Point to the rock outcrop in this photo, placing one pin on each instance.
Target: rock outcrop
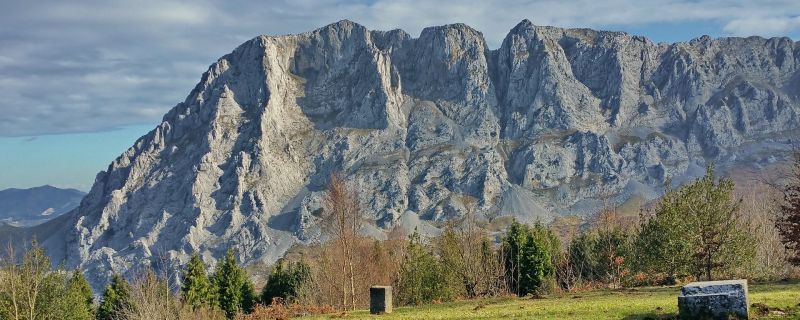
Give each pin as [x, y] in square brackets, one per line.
[427, 129]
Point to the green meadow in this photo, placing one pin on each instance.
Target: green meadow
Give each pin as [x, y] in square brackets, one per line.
[635, 303]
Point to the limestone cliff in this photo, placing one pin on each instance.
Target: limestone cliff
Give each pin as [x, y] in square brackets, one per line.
[427, 128]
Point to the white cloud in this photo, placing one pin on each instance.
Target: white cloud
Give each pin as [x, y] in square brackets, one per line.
[130, 61]
[765, 26]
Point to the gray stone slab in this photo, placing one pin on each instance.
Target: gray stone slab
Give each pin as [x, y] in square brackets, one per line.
[714, 299]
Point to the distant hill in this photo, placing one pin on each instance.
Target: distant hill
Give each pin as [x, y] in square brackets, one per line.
[27, 207]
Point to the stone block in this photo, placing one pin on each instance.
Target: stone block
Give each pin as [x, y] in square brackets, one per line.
[380, 299]
[714, 299]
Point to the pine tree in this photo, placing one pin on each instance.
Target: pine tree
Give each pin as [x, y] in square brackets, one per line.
[249, 296]
[196, 288]
[235, 293]
[419, 280]
[535, 266]
[527, 255]
[285, 281]
[79, 291]
[115, 299]
[513, 241]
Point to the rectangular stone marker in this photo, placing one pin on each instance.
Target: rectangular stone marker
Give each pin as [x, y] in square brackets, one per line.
[716, 299]
[380, 299]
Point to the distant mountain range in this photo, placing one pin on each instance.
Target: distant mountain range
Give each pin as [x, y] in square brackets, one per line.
[28, 207]
[553, 122]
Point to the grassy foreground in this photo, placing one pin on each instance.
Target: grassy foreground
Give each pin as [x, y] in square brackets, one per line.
[636, 303]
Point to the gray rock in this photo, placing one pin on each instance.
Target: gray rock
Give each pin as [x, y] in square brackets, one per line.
[714, 299]
[436, 126]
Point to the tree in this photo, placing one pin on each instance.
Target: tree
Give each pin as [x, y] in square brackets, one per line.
[81, 293]
[458, 261]
[150, 297]
[535, 266]
[419, 280]
[196, 288]
[696, 228]
[32, 289]
[513, 241]
[115, 299]
[285, 281]
[235, 293]
[343, 221]
[788, 222]
[527, 257]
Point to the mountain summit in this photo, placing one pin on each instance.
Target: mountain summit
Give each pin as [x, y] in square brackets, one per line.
[555, 121]
[26, 207]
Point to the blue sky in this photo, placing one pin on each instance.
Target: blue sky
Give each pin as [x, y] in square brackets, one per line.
[81, 80]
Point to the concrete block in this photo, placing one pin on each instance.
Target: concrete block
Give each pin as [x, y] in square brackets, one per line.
[714, 299]
[380, 299]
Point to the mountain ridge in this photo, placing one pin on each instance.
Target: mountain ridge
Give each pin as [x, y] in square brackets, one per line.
[428, 129]
[26, 207]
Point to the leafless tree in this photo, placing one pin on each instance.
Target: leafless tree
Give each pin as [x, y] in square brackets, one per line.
[343, 220]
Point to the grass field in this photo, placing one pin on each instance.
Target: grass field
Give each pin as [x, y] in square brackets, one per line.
[636, 303]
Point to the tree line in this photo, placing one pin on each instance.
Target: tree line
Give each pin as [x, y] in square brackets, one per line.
[701, 230]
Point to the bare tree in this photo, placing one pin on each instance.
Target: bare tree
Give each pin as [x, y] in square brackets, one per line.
[788, 222]
[343, 220]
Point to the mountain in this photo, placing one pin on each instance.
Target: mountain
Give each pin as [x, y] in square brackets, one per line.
[554, 121]
[26, 207]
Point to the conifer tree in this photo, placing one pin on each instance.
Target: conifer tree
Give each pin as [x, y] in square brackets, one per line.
[420, 278]
[115, 299]
[196, 288]
[527, 256]
[81, 293]
[535, 266]
[285, 281]
[235, 293]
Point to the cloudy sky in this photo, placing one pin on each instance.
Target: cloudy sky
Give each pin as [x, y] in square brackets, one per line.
[81, 80]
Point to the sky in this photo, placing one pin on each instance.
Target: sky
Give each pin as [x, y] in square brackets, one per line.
[80, 81]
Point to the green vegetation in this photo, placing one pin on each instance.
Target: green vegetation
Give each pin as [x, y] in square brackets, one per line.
[527, 258]
[696, 229]
[32, 289]
[599, 255]
[235, 291]
[196, 288]
[81, 293]
[286, 281]
[420, 279]
[636, 303]
[115, 299]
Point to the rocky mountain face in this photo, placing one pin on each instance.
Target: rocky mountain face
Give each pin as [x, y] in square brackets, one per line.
[555, 121]
[27, 207]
